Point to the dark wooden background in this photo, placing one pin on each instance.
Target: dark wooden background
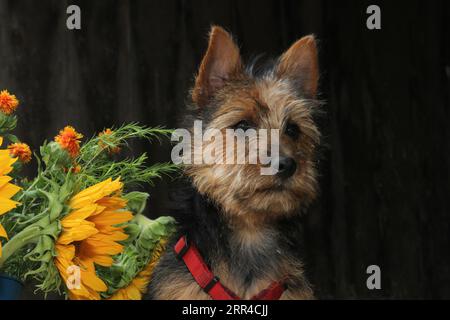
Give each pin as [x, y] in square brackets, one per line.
[385, 174]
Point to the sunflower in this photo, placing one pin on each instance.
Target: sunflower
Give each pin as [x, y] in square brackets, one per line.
[90, 234]
[139, 284]
[8, 102]
[21, 151]
[69, 139]
[7, 190]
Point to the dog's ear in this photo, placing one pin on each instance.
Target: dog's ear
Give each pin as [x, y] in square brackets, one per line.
[300, 63]
[221, 62]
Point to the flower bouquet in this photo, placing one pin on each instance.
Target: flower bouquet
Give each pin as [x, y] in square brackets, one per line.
[77, 228]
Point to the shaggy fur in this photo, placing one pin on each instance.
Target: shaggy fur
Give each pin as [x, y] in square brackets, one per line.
[246, 225]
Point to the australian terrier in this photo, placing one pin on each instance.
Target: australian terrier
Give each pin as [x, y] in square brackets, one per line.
[239, 233]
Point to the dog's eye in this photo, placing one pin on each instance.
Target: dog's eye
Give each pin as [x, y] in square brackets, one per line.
[292, 130]
[243, 124]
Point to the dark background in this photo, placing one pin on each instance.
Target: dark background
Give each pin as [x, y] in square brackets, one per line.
[385, 172]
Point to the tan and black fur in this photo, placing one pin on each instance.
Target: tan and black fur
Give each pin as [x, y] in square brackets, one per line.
[246, 224]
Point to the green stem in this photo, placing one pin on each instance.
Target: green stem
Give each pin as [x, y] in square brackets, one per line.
[24, 237]
[29, 188]
[21, 239]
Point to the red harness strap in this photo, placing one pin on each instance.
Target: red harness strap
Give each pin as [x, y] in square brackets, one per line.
[209, 283]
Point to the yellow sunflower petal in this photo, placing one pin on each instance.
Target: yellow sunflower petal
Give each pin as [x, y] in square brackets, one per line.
[4, 180]
[89, 277]
[115, 235]
[101, 244]
[82, 213]
[119, 295]
[113, 203]
[3, 232]
[63, 260]
[84, 294]
[112, 218]
[2, 235]
[6, 162]
[133, 293]
[89, 194]
[8, 190]
[66, 252]
[103, 260]
[96, 192]
[6, 205]
[78, 231]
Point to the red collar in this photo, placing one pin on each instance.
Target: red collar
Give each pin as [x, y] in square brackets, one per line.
[187, 251]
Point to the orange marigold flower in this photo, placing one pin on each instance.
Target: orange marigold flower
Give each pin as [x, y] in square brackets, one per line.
[106, 131]
[75, 169]
[69, 140]
[103, 145]
[8, 102]
[21, 151]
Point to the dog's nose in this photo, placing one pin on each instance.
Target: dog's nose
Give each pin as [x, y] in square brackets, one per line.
[286, 167]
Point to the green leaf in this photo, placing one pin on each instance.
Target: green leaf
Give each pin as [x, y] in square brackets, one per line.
[137, 201]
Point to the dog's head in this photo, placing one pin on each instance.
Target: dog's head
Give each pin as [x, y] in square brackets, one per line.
[227, 95]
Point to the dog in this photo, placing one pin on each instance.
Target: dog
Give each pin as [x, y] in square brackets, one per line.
[239, 234]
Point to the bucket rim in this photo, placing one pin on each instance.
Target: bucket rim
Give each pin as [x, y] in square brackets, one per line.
[7, 277]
